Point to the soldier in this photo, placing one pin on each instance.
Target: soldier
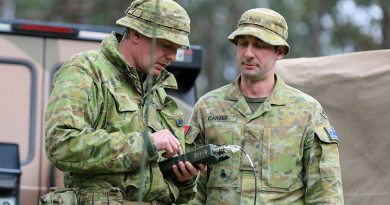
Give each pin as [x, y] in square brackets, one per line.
[284, 131]
[95, 116]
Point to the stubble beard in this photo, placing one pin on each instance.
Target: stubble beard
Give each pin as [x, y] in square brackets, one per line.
[253, 75]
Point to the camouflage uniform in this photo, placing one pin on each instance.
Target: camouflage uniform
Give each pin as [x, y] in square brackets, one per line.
[288, 137]
[95, 119]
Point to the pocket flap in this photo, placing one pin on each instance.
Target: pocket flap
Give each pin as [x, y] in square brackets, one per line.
[326, 134]
[222, 176]
[122, 101]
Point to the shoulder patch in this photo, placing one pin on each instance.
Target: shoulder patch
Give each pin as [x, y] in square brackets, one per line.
[332, 133]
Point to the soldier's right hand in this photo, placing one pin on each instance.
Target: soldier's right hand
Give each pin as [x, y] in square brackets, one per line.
[165, 140]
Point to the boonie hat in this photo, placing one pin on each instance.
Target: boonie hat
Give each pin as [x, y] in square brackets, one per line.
[172, 21]
[264, 24]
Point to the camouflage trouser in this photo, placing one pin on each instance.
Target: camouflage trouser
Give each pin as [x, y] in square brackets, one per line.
[72, 196]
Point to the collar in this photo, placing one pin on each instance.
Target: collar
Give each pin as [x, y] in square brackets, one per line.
[276, 98]
[110, 49]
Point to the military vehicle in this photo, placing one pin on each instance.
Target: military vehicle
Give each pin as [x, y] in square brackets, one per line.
[31, 53]
[353, 88]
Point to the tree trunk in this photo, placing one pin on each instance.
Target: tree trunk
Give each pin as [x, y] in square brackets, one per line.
[385, 26]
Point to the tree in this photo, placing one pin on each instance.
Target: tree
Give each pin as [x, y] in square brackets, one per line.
[316, 27]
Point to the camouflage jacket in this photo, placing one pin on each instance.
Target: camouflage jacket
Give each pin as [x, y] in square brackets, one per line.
[289, 139]
[95, 120]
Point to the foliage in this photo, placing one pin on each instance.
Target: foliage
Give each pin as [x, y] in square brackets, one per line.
[316, 27]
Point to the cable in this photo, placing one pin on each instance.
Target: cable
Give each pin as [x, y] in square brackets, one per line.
[149, 81]
[235, 148]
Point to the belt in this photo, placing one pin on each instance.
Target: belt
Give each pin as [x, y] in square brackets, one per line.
[140, 203]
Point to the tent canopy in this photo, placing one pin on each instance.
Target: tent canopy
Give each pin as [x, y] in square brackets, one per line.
[354, 90]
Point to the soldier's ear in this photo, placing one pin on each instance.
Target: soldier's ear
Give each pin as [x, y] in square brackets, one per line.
[135, 36]
[280, 51]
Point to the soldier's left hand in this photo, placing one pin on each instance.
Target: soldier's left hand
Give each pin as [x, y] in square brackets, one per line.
[186, 171]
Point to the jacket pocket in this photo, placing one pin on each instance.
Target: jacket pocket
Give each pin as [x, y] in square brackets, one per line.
[222, 186]
[124, 114]
[172, 117]
[112, 196]
[123, 101]
[281, 166]
[222, 133]
[224, 177]
[59, 196]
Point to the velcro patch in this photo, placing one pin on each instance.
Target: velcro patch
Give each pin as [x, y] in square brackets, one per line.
[332, 133]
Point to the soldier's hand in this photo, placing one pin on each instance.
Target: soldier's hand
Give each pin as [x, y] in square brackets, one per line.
[186, 171]
[165, 140]
[202, 167]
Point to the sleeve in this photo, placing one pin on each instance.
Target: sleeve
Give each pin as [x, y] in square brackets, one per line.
[187, 191]
[73, 142]
[322, 166]
[194, 139]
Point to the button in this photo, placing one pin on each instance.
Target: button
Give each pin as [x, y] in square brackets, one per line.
[223, 174]
[179, 122]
